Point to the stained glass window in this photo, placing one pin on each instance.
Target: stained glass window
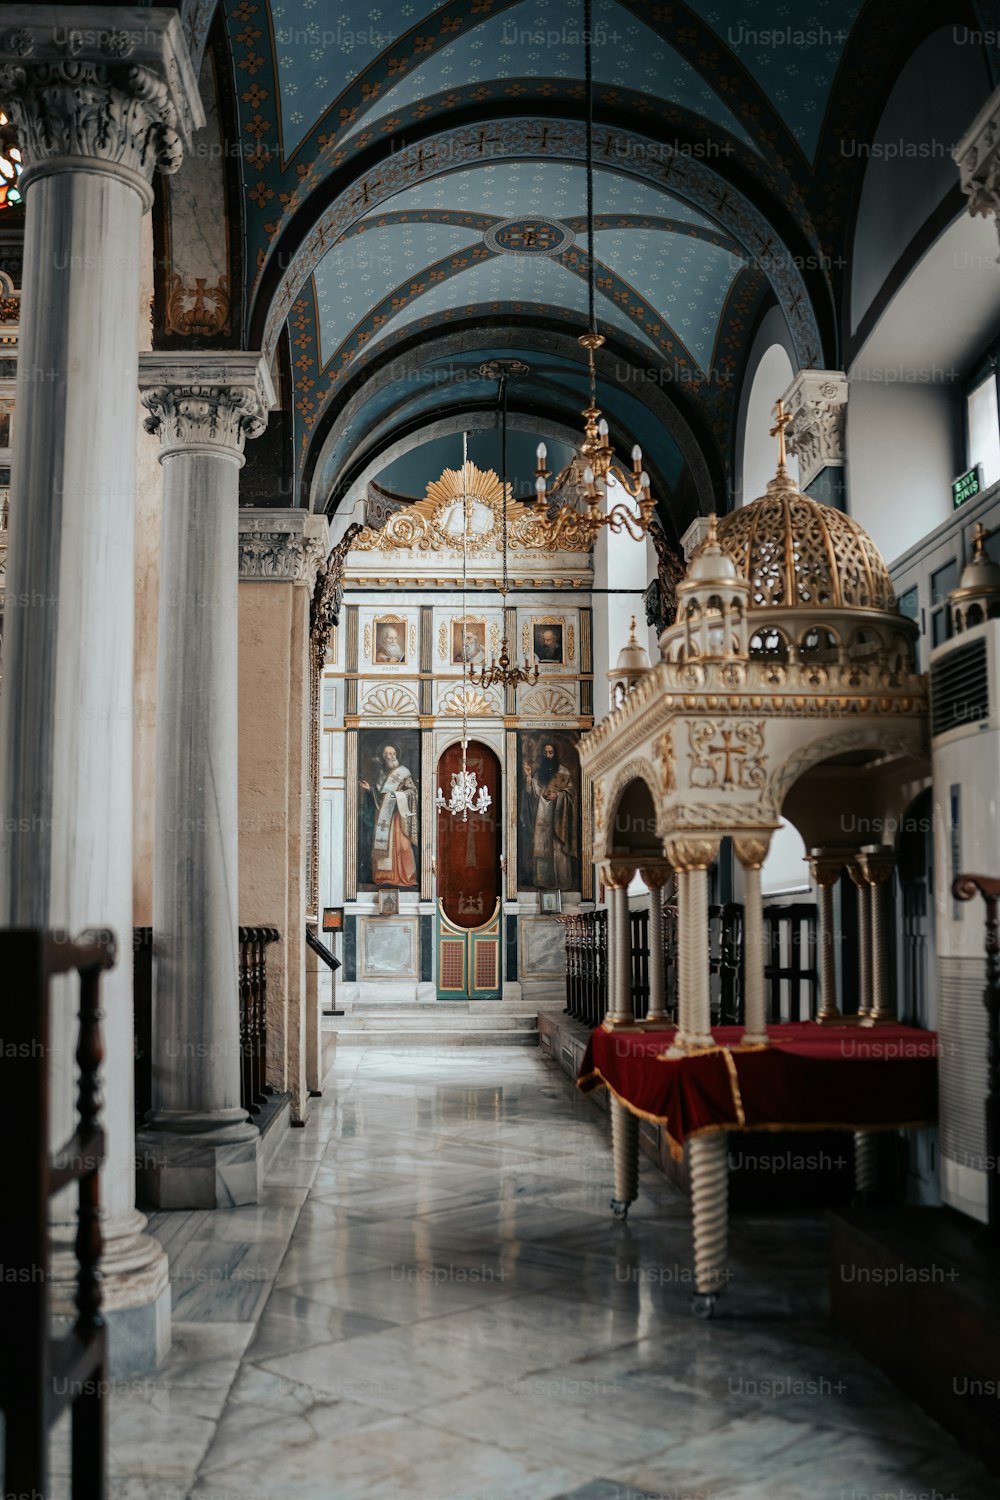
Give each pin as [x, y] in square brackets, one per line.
[10, 164]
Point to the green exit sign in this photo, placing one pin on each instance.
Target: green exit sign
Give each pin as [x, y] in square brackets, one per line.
[966, 485]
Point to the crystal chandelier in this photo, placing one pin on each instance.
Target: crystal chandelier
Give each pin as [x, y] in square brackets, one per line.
[503, 671]
[591, 471]
[465, 796]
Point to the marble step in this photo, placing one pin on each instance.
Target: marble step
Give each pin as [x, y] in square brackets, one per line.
[407, 1020]
[435, 1037]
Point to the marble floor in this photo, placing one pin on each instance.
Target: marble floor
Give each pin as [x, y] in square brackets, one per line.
[434, 1303]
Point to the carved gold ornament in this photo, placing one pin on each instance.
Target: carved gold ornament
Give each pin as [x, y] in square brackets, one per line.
[475, 704]
[434, 524]
[443, 641]
[389, 703]
[199, 311]
[727, 753]
[664, 748]
[548, 703]
[797, 552]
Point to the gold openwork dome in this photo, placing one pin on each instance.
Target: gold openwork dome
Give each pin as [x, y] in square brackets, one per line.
[799, 554]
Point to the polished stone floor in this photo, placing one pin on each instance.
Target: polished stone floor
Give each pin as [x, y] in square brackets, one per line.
[434, 1303]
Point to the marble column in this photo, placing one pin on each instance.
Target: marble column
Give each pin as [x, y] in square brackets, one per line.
[656, 878]
[876, 862]
[617, 878]
[282, 554]
[197, 1148]
[101, 96]
[691, 858]
[825, 866]
[751, 853]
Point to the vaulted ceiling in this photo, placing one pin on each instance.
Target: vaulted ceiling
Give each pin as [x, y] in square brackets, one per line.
[414, 201]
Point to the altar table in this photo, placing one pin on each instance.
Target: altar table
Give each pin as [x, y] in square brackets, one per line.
[810, 1077]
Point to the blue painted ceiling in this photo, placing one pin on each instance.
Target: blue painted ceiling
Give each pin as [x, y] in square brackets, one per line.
[328, 94]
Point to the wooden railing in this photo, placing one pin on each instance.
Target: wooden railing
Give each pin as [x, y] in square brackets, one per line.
[41, 1375]
[790, 972]
[254, 943]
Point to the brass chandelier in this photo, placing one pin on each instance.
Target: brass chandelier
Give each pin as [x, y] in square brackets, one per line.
[591, 473]
[503, 672]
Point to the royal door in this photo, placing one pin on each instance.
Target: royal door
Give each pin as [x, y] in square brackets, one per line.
[468, 885]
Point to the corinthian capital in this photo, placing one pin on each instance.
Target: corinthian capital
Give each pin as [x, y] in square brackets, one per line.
[978, 158]
[103, 87]
[210, 403]
[816, 407]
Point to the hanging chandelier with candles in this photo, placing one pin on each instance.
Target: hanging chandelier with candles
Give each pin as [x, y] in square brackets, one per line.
[504, 672]
[590, 474]
[466, 796]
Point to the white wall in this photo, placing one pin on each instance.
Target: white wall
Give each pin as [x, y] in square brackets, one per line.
[900, 460]
[771, 379]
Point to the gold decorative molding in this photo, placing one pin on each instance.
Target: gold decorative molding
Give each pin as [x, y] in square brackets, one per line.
[388, 703]
[751, 851]
[664, 749]
[549, 702]
[686, 854]
[443, 641]
[727, 755]
[199, 311]
[471, 702]
[429, 525]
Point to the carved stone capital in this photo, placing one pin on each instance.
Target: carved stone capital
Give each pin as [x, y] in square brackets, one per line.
[751, 850]
[692, 853]
[618, 874]
[282, 546]
[98, 87]
[816, 405]
[876, 863]
[978, 158]
[656, 874]
[208, 404]
[826, 866]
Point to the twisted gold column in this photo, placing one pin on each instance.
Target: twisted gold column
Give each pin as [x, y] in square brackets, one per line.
[656, 878]
[751, 853]
[825, 868]
[708, 1159]
[617, 878]
[876, 862]
[865, 1163]
[625, 1149]
[865, 999]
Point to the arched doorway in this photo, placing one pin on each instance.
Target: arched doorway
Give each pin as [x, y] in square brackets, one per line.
[468, 884]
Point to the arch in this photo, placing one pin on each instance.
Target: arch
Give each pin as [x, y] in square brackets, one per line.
[804, 788]
[636, 155]
[638, 773]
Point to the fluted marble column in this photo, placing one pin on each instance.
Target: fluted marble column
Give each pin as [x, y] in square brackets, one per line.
[825, 867]
[617, 878]
[197, 1148]
[751, 853]
[691, 858]
[876, 862]
[865, 998]
[102, 96]
[656, 877]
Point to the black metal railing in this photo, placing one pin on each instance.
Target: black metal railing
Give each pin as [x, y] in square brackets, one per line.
[790, 972]
[253, 945]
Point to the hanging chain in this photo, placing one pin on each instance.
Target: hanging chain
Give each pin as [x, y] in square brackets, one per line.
[588, 65]
[503, 465]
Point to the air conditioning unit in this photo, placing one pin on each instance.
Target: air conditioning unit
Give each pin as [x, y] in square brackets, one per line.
[965, 751]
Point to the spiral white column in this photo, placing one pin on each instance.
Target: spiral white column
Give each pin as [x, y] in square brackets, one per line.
[877, 862]
[825, 870]
[865, 997]
[625, 1149]
[657, 1013]
[751, 853]
[708, 1157]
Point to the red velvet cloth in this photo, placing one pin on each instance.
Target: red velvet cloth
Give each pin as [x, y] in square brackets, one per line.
[810, 1077]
